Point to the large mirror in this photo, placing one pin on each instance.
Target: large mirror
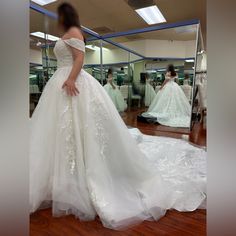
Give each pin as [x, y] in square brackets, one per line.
[152, 99]
[38, 73]
[149, 75]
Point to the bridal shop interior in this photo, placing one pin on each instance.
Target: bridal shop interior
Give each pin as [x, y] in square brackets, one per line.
[138, 54]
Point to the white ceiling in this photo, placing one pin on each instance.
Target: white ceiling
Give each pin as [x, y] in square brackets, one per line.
[106, 16]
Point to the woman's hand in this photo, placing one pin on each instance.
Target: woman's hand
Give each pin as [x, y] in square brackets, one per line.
[69, 86]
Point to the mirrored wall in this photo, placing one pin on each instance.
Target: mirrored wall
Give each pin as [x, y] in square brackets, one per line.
[137, 62]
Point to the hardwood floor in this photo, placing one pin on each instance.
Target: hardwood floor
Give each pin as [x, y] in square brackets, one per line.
[174, 223]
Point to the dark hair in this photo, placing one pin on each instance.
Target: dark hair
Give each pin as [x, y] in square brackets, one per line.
[109, 71]
[68, 16]
[171, 69]
[186, 76]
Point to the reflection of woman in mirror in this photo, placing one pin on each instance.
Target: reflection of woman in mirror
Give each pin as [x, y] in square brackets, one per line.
[115, 93]
[186, 79]
[149, 91]
[110, 78]
[170, 106]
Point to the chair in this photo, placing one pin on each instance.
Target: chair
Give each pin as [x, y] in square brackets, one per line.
[124, 89]
[135, 96]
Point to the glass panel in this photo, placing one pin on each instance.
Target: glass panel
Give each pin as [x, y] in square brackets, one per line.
[37, 77]
[43, 63]
[92, 63]
[150, 54]
[116, 59]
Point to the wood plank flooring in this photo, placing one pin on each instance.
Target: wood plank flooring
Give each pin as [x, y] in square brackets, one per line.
[174, 223]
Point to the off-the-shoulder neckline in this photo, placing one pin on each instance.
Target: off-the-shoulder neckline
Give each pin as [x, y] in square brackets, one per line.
[72, 38]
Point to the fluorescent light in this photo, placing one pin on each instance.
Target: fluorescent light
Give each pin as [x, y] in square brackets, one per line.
[189, 60]
[93, 47]
[151, 15]
[42, 35]
[43, 2]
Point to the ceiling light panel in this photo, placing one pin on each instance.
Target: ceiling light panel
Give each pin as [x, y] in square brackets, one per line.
[92, 47]
[42, 35]
[189, 60]
[43, 2]
[152, 15]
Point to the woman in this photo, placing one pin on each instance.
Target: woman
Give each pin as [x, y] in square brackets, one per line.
[83, 159]
[149, 92]
[170, 106]
[115, 93]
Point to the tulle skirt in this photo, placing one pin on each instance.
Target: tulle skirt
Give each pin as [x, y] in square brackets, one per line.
[170, 107]
[116, 97]
[149, 94]
[84, 161]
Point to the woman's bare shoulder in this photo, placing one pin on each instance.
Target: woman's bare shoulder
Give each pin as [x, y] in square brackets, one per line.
[74, 32]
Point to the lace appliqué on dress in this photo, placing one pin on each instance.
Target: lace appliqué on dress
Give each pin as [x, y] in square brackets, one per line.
[100, 115]
[68, 129]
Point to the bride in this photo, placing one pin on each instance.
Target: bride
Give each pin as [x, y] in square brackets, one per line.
[114, 93]
[149, 92]
[84, 161]
[170, 106]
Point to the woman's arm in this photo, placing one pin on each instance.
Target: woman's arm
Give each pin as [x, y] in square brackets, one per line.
[164, 83]
[112, 85]
[167, 79]
[78, 57]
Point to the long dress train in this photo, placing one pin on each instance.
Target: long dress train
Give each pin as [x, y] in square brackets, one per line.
[84, 161]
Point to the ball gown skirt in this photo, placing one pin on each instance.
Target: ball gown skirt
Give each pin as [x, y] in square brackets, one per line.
[84, 161]
[149, 94]
[170, 106]
[116, 97]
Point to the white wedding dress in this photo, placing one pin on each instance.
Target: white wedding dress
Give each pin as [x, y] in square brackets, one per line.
[170, 107]
[116, 97]
[149, 94]
[84, 161]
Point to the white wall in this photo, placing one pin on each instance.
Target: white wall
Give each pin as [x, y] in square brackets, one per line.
[109, 56]
[35, 56]
[147, 48]
[163, 48]
[151, 65]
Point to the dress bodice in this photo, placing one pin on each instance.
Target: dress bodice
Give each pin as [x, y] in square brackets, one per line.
[63, 51]
[171, 78]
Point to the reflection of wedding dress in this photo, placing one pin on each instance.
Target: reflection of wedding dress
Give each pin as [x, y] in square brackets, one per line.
[84, 161]
[170, 106]
[116, 97]
[149, 94]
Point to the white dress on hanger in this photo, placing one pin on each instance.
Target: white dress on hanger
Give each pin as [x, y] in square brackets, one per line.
[170, 106]
[149, 93]
[116, 97]
[84, 161]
